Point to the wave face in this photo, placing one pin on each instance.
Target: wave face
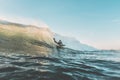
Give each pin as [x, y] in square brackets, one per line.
[65, 65]
[20, 38]
[73, 43]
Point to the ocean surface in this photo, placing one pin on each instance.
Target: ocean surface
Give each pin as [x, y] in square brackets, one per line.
[65, 65]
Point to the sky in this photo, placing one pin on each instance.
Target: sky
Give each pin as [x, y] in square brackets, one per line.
[92, 22]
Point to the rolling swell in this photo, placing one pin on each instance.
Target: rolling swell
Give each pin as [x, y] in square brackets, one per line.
[66, 65]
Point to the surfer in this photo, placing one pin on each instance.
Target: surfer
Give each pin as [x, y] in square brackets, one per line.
[54, 40]
[60, 44]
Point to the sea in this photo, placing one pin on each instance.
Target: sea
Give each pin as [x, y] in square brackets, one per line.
[67, 64]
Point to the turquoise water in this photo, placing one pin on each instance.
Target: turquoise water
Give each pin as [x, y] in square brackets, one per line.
[65, 65]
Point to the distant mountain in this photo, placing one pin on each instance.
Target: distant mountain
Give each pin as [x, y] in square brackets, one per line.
[74, 43]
